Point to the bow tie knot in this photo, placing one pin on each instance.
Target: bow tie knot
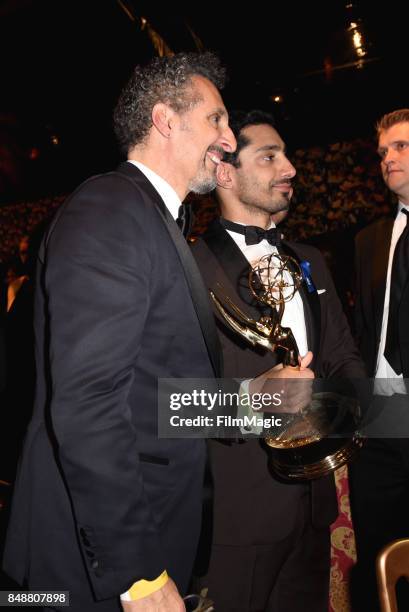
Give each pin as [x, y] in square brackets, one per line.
[185, 219]
[253, 234]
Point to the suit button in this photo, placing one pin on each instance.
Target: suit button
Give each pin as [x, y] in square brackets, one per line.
[86, 542]
[94, 564]
[90, 553]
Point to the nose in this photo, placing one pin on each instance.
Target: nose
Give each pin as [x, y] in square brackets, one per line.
[389, 156]
[288, 170]
[228, 141]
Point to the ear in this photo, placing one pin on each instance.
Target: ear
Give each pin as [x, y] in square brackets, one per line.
[224, 175]
[161, 118]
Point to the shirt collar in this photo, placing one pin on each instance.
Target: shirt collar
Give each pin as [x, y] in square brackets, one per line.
[272, 224]
[166, 192]
[400, 206]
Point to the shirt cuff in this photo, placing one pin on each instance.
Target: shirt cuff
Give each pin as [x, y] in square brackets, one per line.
[245, 411]
[143, 588]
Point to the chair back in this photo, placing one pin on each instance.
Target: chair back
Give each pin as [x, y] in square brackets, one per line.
[392, 563]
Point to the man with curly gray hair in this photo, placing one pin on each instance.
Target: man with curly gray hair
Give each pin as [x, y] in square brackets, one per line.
[102, 506]
[168, 81]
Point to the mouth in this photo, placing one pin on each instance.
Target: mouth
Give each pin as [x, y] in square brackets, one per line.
[392, 168]
[215, 154]
[283, 186]
[392, 175]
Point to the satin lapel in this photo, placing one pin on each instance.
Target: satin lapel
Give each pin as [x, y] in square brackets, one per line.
[138, 177]
[235, 267]
[312, 308]
[379, 264]
[200, 297]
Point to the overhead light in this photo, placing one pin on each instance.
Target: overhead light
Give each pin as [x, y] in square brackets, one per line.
[357, 40]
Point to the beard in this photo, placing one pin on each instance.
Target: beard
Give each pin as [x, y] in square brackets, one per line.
[258, 197]
[205, 180]
[203, 183]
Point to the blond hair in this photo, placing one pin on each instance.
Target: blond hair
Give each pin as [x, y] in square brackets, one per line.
[390, 119]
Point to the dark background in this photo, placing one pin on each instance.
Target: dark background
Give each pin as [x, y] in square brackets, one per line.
[63, 63]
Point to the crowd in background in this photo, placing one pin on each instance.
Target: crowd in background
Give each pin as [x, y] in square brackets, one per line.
[338, 187]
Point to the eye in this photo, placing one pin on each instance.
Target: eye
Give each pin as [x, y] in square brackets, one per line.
[268, 158]
[401, 146]
[382, 153]
[215, 119]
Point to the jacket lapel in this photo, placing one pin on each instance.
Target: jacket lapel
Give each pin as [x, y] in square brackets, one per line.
[379, 267]
[194, 280]
[235, 268]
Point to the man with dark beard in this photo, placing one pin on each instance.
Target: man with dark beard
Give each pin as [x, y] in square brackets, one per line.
[270, 548]
[103, 508]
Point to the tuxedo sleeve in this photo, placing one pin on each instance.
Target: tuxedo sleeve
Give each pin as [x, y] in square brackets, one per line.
[97, 279]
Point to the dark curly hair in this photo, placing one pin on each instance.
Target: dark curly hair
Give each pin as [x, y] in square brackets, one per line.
[164, 79]
[238, 121]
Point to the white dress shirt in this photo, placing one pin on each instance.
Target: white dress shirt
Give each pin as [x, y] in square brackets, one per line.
[388, 382]
[293, 316]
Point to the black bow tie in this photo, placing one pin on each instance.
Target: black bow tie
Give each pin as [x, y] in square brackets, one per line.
[185, 219]
[253, 234]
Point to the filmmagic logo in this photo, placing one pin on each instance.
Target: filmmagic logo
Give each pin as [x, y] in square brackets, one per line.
[248, 422]
[245, 422]
[205, 399]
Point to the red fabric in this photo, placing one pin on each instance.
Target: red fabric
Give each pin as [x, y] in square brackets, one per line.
[343, 552]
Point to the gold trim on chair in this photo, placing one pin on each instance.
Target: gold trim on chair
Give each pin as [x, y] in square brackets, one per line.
[392, 563]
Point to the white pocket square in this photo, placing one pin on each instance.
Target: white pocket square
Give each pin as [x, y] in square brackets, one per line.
[319, 291]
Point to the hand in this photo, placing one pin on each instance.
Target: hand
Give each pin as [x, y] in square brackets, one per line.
[166, 599]
[292, 383]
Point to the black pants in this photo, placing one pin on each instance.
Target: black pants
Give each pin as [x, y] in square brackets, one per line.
[291, 575]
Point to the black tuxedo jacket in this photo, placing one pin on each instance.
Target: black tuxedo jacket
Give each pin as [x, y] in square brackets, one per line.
[113, 314]
[371, 255]
[242, 481]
